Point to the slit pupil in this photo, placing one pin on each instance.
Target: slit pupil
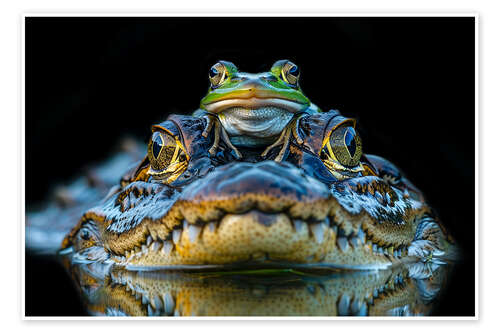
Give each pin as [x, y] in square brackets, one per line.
[350, 141]
[157, 144]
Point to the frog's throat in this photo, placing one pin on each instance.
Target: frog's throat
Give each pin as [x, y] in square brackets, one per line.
[244, 125]
[255, 103]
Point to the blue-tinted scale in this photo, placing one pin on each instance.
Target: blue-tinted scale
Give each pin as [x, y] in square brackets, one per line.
[349, 140]
[157, 144]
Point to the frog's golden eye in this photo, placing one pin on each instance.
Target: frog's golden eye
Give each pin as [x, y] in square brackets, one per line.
[290, 73]
[341, 152]
[217, 74]
[167, 157]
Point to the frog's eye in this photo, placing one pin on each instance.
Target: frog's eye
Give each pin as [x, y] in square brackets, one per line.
[341, 152]
[290, 73]
[217, 74]
[167, 156]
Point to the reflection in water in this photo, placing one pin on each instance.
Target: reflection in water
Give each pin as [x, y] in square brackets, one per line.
[409, 290]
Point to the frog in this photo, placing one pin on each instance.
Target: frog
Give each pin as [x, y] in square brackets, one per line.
[254, 110]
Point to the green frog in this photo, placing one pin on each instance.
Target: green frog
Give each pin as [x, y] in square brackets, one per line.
[254, 110]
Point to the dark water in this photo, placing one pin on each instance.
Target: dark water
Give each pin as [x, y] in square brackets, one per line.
[420, 289]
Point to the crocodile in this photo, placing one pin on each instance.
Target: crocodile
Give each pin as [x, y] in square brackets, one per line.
[301, 195]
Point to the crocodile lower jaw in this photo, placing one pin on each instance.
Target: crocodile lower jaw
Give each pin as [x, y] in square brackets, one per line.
[262, 238]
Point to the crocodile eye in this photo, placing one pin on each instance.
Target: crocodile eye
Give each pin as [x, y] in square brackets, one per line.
[345, 144]
[167, 157]
[341, 152]
[217, 74]
[290, 73]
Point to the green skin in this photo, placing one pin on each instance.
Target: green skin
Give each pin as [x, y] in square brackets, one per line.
[267, 104]
[234, 86]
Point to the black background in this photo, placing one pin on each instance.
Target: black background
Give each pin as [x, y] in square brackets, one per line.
[408, 81]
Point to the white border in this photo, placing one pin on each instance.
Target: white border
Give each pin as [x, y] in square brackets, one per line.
[240, 14]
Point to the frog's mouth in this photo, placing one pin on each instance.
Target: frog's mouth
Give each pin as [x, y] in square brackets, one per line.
[255, 103]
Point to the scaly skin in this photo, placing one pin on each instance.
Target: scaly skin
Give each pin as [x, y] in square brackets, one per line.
[191, 203]
[293, 214]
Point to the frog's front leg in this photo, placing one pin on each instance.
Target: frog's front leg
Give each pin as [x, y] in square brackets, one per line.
[292, 128]
[219, 132]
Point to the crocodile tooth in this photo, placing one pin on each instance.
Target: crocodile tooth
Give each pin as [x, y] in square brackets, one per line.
[390, 285]
[390, 249]
[362, 236]
[127, 254]
[156, 302]
[145, 299]
[167, 247]
[379, 197]
[137, 296]
[176, 235]
[388, 198]
[343, 307]
[137, 249]
[380, 250]
[355, 305]
[298, 225]
[193, 232]
[363, 309]
[342, 243]
[318, 231]
[149, 240]
[211, 226]
[177, 313]
[375, 248]
[150, 311]
[335, 229]
[156, 246]
[354, 241]
[144, 249]
[168, 300]
[185, 224]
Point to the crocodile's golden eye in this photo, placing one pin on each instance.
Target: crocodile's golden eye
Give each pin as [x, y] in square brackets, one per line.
[217, 74]
[167, 156]
[290, 73]
[345, 144]
[341, 152]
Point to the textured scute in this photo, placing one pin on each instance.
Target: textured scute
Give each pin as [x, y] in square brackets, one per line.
[222, 211]
[266, 178]
[244, 212]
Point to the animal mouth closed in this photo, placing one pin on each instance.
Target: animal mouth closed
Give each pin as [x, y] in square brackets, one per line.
[260, 235]
[253, 213]
[256, 103]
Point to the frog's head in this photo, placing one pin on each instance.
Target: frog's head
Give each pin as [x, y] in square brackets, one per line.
[278, 89]
[254, 108]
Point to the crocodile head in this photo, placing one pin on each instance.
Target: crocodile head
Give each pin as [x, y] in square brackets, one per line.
[308, 211]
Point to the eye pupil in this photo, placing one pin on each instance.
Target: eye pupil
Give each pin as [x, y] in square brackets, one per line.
[157, 145]
[213, 72]
[294, 70]
[350, 142]
[85, 234]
